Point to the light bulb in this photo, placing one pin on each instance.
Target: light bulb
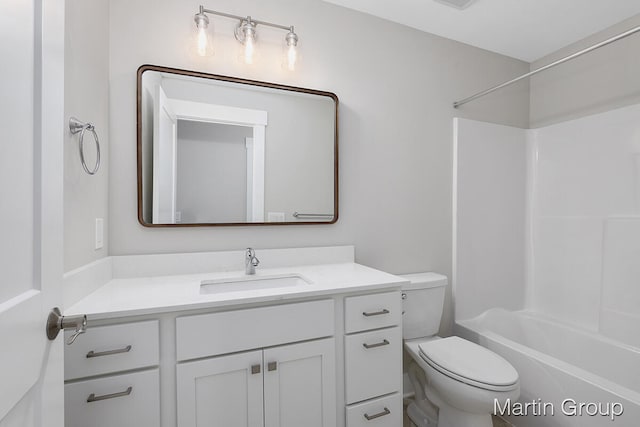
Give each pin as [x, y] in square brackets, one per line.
[291, 50]
[246, 34]
[292, 57]
[203, 42]
[249, 49]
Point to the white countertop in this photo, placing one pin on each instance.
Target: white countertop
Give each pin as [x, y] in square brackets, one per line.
[148, 295]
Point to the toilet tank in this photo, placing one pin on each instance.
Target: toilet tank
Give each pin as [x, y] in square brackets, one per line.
[422, 304]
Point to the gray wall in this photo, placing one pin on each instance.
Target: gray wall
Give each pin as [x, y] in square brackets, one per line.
[596, 82]
[396, 86]
[212, 172]
[87, 98]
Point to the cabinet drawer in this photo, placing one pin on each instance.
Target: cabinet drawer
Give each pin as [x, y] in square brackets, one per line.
[373, 364]
[375, 311]
[231, 331]
[113, 348]
[128, 400]
[383, 412]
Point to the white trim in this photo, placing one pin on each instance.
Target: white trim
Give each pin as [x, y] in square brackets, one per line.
[163, 107]
[257, 176]
[454, 217]
[248, 144]
[202, 112]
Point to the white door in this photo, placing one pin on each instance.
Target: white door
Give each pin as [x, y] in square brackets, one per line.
[221, 392]
[300, 385]
[165, 150]
[31, 223]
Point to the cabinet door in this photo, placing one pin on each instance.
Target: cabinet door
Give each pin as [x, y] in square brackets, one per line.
[221, 392]
[300, 385]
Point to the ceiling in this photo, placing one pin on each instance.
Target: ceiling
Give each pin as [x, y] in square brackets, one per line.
[522, 29]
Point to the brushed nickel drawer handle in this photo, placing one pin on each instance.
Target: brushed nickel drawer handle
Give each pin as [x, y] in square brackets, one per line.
[375, 313]
[272, 366]
[378, 415]
[378, 344]
[255, 369]
[93, 398]
[109, 352]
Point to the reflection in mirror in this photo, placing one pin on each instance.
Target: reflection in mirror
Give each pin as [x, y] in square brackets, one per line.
[215, 150]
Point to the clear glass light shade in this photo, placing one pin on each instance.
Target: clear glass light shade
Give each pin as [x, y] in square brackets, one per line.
[203, 44]
[247, 35]
[249, 51]
[291, 55]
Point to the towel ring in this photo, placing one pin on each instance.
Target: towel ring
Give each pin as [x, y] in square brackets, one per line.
[76, 126]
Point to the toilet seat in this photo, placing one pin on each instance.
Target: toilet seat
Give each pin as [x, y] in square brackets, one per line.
[469, 363]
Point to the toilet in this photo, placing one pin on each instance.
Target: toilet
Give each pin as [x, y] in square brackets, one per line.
[456, 381]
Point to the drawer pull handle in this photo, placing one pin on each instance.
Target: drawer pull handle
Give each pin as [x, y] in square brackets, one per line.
[92, 353]
[378, 344]
[272, 366]
[93, 398]
[255, 369]
[378, 415]
[375, 313]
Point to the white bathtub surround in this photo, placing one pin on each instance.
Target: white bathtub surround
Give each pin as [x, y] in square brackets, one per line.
[586, 176]
[558, 362]
[619, 315]
[547, 220]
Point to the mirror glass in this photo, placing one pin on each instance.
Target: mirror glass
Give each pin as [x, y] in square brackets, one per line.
[216, 150]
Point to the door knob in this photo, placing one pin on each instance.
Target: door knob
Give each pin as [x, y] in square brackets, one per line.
[57, 322]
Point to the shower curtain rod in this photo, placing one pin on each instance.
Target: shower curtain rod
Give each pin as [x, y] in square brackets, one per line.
[546, 67]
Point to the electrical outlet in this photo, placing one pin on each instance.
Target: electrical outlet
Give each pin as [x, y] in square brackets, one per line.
[99, 233]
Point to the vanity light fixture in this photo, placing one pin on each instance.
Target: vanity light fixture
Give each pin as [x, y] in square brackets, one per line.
[246, 33]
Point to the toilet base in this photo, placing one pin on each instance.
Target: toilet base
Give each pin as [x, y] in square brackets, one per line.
[448, 416]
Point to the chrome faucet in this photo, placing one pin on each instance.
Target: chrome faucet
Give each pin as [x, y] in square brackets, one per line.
[251, 261]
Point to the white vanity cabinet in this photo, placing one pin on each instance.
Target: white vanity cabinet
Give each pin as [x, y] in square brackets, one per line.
[330, 361]
[287, 385]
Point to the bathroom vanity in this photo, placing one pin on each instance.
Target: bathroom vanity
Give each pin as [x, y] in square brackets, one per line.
[315, 345]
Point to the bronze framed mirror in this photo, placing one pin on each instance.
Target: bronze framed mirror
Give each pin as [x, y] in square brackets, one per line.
[224, 151]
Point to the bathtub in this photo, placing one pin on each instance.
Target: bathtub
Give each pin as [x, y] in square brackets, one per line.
[556, 362]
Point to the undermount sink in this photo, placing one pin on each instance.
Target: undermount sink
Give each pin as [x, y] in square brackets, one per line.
[252, 283]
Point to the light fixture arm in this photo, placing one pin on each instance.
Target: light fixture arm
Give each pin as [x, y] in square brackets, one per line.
[245, 18]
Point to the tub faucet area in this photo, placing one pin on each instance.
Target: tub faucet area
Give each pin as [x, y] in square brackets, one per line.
[251, 261]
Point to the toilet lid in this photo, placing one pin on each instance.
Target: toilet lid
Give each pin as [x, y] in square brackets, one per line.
[469, 363]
